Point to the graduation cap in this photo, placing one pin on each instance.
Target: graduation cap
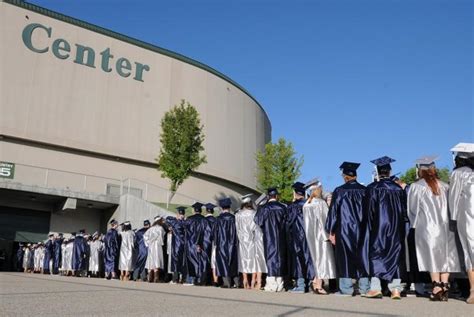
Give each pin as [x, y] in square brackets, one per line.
[299, 188]
[246, 198]
[60, 234]
[426, 162]
[146, 222]
[157, 218]
[197, 206]
[261, 200]
[315, 182]
[50, 235]
[349, 168]
[225, 203]
[82, 231]
[113, 222]
[181, 210]
[95, 234]
[464, 150]
[210, 207]
[272, 191]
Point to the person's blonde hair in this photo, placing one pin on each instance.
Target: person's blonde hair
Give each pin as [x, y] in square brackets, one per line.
[316, 193]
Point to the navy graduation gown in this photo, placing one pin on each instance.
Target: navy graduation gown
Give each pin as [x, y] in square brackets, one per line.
[197, 233]
[225, 237]
[19, 258]
[386, 204]
[111, 250]
[209, 238]
[142, 250]
[79, 254]
[300, 263]
[178, 244]
[48, 255]
[271, 217]
[57, 251]
[347, 219]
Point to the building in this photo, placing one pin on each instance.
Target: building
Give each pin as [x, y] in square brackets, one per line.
[80, 122]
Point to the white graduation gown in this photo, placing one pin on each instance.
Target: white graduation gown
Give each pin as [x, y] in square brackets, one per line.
[26, 259]
[435, 243]
[322, 254]
[68, 258]
[96, 247]
[126, 250]
[251, 254]
[461, 206]
[154, 240]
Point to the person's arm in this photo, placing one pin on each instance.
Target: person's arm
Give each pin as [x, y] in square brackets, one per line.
[331, 222]
[413, 204]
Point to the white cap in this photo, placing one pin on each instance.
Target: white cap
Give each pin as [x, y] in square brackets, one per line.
[246, 198]
[464, 150]
[426, 162]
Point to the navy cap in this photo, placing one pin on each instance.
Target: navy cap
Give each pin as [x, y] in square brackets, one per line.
[383, 161]
[261, 200]
[299, 188]
[73, 234]
[51, 235]
[349, 168]
[210, 207]
[113, 222]
[82, 231]
[197, 206]
[146, 222]
[225, 202]
[272, 191]
[181, 210]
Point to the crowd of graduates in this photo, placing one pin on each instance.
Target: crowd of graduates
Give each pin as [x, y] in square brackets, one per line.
[358, 240]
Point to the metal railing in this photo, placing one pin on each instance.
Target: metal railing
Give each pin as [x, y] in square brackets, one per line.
[63, 180]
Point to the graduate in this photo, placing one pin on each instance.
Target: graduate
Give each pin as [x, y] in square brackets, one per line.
[461, 205]
[347, 229]
[271, 218]
[177, 229]
[315, 212]
[48, 254]
[198, 231]
[386, 204]
[153, 239]
[57, 252]
[139, 274]
[251, 254]
[111, 250]
[210, 245]
[435, 242]
[96, 247]
[38, 257]
[79, 254]
[68, 251]
[19, 257]
[126, 251]
[27, 259]
[225, 237]
[300, 264]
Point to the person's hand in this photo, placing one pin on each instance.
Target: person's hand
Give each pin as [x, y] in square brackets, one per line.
[332, 238]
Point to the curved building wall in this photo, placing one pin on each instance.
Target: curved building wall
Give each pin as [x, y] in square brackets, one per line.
[53, 95]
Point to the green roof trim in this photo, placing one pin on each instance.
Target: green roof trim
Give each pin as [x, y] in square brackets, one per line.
[127, 39]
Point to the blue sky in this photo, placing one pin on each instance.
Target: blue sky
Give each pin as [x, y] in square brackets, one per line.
[341, 80]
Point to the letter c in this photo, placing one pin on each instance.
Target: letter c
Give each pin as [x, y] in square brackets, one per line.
[28, 31]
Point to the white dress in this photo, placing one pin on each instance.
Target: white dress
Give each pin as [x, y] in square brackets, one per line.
[461, 206]
[63, 257]
[96, 247]
[126, 250]
[435, 243]
[251, 254]
[154, 240]
[322, 253]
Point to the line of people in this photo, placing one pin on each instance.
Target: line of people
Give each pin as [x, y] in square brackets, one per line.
[299, 247]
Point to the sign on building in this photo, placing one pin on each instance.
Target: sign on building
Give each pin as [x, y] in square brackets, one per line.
[7, 170]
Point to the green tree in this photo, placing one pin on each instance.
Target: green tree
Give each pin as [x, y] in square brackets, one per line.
[410, 175]
[278, 166]
[181, 144]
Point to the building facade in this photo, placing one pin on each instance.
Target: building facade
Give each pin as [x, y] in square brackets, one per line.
[80, 122]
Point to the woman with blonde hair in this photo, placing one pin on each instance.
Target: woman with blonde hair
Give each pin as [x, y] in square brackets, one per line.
[436, 251]
[315, 212]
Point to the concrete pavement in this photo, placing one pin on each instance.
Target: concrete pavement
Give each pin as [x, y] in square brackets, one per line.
[42, 295]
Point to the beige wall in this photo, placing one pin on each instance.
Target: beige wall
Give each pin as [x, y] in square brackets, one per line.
[74, 220]
[56, 101]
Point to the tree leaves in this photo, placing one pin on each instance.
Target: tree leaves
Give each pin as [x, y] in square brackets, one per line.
[181, 144]
[279, 167]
